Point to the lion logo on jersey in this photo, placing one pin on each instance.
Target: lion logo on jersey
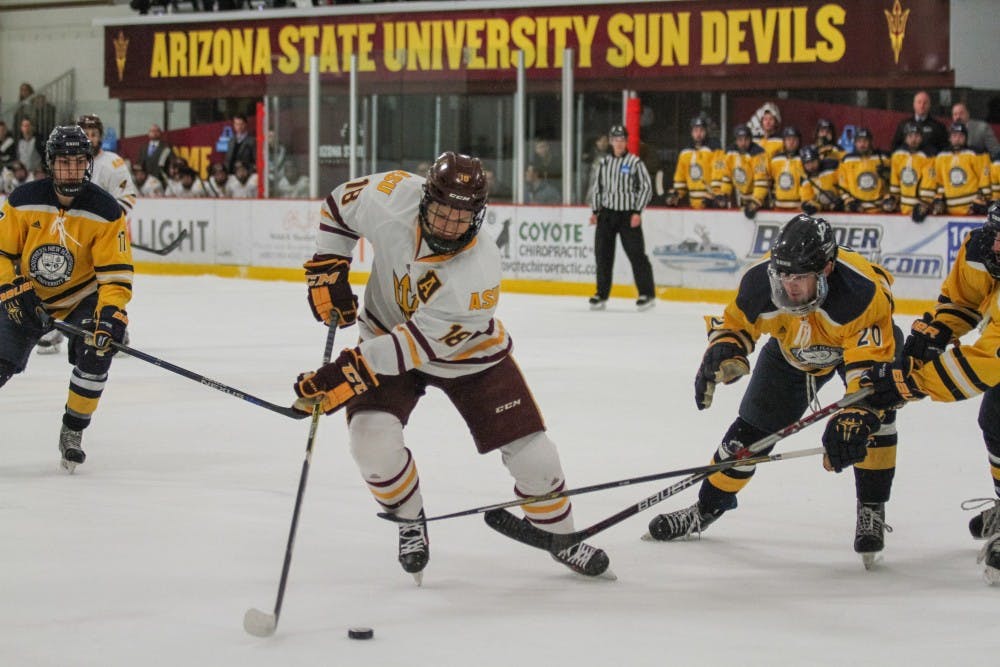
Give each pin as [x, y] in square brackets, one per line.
[51, 265]
[818, 356]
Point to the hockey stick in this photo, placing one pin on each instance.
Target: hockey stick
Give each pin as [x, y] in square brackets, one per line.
[73, 330]
[260, 623]
[165, 250]
[507, 524]
[710, 468]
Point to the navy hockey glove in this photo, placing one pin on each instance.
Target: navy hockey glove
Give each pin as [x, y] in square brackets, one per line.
[809, 208]
[893, 384]
[725, 361]
[920, 213]
[927, 339]
[107, 325]
[853, 205]
[333, 385]
[939, 206]
[846, 437]
[750, 209]
[21, 303]
[329, 290]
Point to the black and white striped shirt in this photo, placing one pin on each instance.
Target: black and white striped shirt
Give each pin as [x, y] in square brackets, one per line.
[622, 184]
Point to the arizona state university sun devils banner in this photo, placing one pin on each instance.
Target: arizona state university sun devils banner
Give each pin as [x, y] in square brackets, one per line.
[649, 45]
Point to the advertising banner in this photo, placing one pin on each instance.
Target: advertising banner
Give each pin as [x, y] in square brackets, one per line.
[667, 45]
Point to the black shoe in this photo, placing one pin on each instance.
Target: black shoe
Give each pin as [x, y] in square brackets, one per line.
[586, 560]
[597, 303]
[414, 546]
[682, 524]
[71, 448]
[986, 522]
[645, 302]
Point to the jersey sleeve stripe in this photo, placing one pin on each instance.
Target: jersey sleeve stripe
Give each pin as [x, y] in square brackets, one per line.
[968, 372]
[418, 336]
[949, 384]
[484, 345]
[411, 345]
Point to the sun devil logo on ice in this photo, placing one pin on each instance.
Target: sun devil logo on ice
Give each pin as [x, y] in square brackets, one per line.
[51, 264]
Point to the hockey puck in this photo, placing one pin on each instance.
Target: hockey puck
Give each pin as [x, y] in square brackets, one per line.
[360, 633]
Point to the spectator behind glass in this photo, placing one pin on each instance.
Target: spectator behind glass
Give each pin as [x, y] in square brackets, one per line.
[244, 184]
[292, 184]
[14, 176]
[8, 145]
[934, 133]
[537, 190]
[592, 160]
[546, 163]
[146, 185]
[24, 109]
[242, 146]
[30, 146]
[155, 153]
[981, 137]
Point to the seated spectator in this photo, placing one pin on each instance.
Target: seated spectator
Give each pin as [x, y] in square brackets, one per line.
[537, 190]
[219, 181]
[15, 176]
[30, 146]
[244, 183]
[187, 185]
[146, 185]
[292, 184]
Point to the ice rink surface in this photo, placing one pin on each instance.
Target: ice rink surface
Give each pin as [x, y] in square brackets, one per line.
[176, 524]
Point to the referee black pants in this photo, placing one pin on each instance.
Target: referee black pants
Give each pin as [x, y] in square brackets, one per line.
[618, 223]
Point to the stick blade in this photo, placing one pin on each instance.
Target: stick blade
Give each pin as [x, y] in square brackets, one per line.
[259, 623]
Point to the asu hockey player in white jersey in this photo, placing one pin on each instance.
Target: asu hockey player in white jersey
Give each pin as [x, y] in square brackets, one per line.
[969, 296]
[65, 254]
[428, 320]
[827, 311]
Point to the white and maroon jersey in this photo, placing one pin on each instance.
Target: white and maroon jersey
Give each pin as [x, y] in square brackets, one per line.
[422, 310]
[112, 174]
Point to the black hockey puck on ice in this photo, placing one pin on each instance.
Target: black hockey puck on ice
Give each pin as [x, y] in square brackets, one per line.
[360, 633]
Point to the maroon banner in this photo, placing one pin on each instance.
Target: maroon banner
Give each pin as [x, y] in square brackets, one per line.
[644, 45]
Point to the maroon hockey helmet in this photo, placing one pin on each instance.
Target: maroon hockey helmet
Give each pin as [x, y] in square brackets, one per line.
[456, 181]
[91, 121]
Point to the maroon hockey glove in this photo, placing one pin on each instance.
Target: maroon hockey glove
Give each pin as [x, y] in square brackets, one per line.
[333, 385]
[329, 290]
[21, 303]
[846, 437]
[927, 339]
[725, 361]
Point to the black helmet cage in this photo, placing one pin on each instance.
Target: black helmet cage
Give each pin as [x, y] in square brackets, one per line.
[68, 140]
[456, 181]
[804, 245]
[987, 237]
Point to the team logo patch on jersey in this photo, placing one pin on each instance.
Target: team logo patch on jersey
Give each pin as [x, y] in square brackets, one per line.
[695, 171]
[51, 264]
[957, 176]
[404, 297]
[908, 176]
[739, 176]
[785, 181]
[428, 284]
[818, 356]
[867, 181]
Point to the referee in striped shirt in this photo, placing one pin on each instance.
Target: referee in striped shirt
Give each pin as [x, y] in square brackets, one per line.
[621, 192]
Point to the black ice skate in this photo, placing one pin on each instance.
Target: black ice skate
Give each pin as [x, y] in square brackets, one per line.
[586, 560]
[414, 548]
[70, 446]
[597, 303]
[869, 535]
[681, 524]
[987, 522]
[645, 302]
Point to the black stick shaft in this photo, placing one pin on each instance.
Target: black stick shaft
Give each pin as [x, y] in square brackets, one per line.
[74, 330]
[165, 250]
[306, 462]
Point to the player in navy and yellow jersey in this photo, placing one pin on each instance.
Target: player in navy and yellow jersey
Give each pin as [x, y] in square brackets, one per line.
[733, 173]
[929, 367]
[863, 175]
[961, 176]
[827, 311]
[819, 188]
[64, 254]
[695, 165]
[911, 173]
